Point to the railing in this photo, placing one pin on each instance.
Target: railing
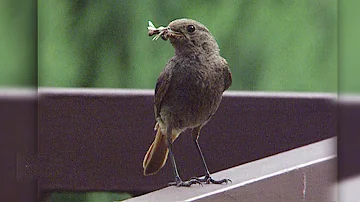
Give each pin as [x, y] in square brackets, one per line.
[307, 173]
[95, 139]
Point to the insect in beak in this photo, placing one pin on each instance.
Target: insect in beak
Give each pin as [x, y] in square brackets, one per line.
[159, 32]
[163, 32]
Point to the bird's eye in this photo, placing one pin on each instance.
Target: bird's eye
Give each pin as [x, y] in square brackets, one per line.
[190, 28]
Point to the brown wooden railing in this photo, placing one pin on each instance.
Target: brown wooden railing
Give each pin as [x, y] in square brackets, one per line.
[95, 139]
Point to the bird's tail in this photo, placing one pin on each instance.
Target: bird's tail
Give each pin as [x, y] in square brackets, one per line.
[157, 154]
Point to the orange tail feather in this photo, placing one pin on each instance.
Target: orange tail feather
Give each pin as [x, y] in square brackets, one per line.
[156, 156]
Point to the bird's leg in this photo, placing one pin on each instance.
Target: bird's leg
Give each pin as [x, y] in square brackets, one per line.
[178, 182]
[207, 178]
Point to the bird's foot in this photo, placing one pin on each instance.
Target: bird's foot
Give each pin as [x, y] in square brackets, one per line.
[179, 183]
[209, 180]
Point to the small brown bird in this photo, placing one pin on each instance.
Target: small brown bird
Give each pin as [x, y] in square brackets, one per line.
[188, 92]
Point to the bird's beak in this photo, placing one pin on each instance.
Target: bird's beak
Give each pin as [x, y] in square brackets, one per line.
[169, 33]
[172, 32]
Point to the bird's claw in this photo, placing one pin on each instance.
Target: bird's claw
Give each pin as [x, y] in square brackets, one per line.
[209, 180]
[180, 183]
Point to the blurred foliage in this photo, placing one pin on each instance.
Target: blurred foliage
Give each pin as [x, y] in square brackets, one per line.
[273, 45]
[349, 43]
[18, 43]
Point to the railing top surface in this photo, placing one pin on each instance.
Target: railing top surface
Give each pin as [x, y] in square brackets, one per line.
[33, 92]
[295, 161]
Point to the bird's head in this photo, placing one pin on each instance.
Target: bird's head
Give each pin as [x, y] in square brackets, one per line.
[190, 36]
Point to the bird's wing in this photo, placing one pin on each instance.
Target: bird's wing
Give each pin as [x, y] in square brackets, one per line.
[162, 86]
[227, 74]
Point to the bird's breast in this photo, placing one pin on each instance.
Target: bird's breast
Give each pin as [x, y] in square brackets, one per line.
[193, 96]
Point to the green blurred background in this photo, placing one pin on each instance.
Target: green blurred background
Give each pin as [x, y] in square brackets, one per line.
[270, 45]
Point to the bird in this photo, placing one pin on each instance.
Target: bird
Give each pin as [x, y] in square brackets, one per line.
[188, 92]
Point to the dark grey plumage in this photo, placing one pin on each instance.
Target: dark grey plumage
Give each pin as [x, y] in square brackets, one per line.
[188, 92]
